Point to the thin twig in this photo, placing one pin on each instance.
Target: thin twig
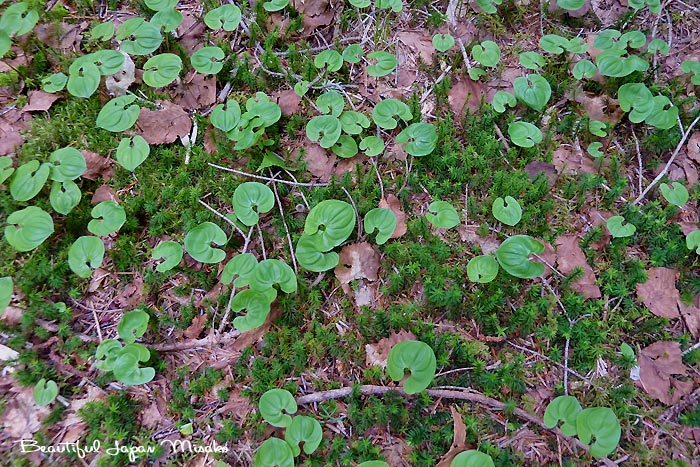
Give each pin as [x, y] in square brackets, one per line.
[267, 179]
[262, 242]
[286, 228]
[639, 160]
[222, 217]
[357, 214]
[211, 339]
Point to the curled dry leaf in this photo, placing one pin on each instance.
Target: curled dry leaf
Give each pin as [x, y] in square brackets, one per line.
[659, 292]
[104, 193]
[21, 417]
[39, 101]
[609, 11]
[288, 101]
[357, 261]
[319, 162]
[164, 126]
[459, 441]
[569, 257]
[97, 166]
[195, 329]
[393, 203]
[657, 365]
[377, 354]
[691, 316]
[196, 91]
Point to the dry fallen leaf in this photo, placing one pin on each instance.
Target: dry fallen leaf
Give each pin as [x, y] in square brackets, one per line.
[608, 11]
[97, 166]
[357, 261]
[195, 329]
[21, 417]
[569, 257]
[459, 442]
[657, 365]
[466, 94]
[316, 13]
[393, 203]
[377, 354]
[319, 162]
[568, 160]
[659, 292]
[691, 316]
[131, 295]
[104, 193]
[39, 101]
[694, 147]
[288, 101]
[196, 91]
[164, 126]
[11, 124]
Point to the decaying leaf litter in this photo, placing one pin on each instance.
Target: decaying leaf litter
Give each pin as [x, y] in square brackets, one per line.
[663, 375]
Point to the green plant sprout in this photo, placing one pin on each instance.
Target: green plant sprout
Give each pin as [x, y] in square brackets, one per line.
[226, 117]
[123, 361]
[240, 267]
[442, 215]
[692, 242]
[488, 5]
[119, 114]
[383, 220]
[305, 430]
[482, 269]
[330, 222]
[199, 239]
[113, 217]
[160, 5]
[514, 256]
[501, 99]
[598, 128]
[132, 152]
[54, 83]
[395, 5]
[28, 228]
[533, 90]
[386, 111]
[564, 409]
[16, 20]
[86, 254]
[6, 288]
[507, 211]
[138, 37]
[275, 5]
[372, 145]
[617, 230]
[524, 134]
[531, 60]
[274, 453]
[353, 53]
[585, 68]
[250, 199]
[161, 70]
[385, 63]
[171, 251]
[418, 358]
[208, 61]
[6, 169]
[419, 139]
[271, 273]
[257, 306]
[654, 5]
[692, 67]
[329, 59]
[45, 392]
[167, 20]
[324, 129]
[273, 405]
[227, 17]
[29, 179]
[678, 195]
[472, 458]
[132, 326]
[64, 196]
[443, 42]
[594, 150]
[601, 423]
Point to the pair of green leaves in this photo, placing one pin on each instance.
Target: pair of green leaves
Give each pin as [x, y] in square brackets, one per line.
[598, 422]
[65, 165]
[123, 361]
[487, 54]
[328, 225]
[513, 255]
[638, 100]
[556, 44]
[247, 128]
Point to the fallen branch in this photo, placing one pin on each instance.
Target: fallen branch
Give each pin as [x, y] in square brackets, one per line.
[465, 395]
[211, 339]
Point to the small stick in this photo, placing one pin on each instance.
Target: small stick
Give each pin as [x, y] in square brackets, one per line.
[267, 179]
[639, 160]
[211, 339]
[222, 216]
[354, 207]
[286, 228]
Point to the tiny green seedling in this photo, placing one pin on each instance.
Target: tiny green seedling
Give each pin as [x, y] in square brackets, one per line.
[442, 215]
[226, 117]
[305, 430]
[312, 258]
[119, 114]
[198, 243]
[271, 273]
[331, 102]
[654, 5]
[594, 149]
[386, 111]
[250, 199]
[324, 129]
[274, 453]
[332, 221]
[28, 228]
[617, 230]
[257, 306]
[45, 392]
[692, 67]
[171, 251]
[383, 220]
[584, 68]
[554, 44]
[678, 195]
[487, 53]
[395, 5]
[353, 53]
[207, 60]
[692, 242]
[501, 99]
[443, 42]
[533, 90]
[240, 267]
[563, 409]
[331, 59]
[161, 70]
[419, 139]
[138, 37]
[514, 256]
[64, 196]
[168, 20]
[472, 458]
[132, 326]
[598, 128]
[353, 123]
[123, 361]
[507, 211]
[385, 63]
[273, 405]
[54, 83]
[524, 134]
[372, 145]
[226, 16]
[132, 152]
[418, 358]
[86, 254]
[29, 179]
[113, 217]
[488, 5]
[531, 60]
[66, 164]
[482, 269]
[601, 423]
[6, 287]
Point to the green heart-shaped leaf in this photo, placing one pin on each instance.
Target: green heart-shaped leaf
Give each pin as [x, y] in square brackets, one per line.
[524, 134]
[482, 269]
[160, 5]
[443, 42]
[6, 288]
[507, 211]
[501, 99]
[225, 16]
[617, 230]
[488, 5]
[531, 60]
[533, 90]
[83, 79]
[442, 214]
[332, 221]
[225, 118]
[418, 358]
[274, 452]
[6, 168]
[86, 254]
[171, 251]
[383, 220]
[127, 371]
[113, 217]
[345, 147]
[55, 82]
[133, 325]
[602, 423]
[564, 409]
[313, 259]
[251, 199]
[275, 5]
[514, 256]
[692, 242]
[198, 243]
[68, 164]
[554, 44]
[330, 59]
[102, 31]
[324, 129]
[273, 272]
[241, 267]
[571, 5]
[138, 37]
[584, 68]
[64, 196]
[386, 63]
[45, 392]
[161, 70]
[207, 60]
[132, 151]
[256, 303]
[353, 122]
[677, 195]
[487, 53]
[385, 112]
[472, 459]
[28, 228]
[108, 62]
[305, 430]
[168, 20]
[419, 139]
[331, 102]
[372, 145]
[119, 114]
[28, 180]
[354, 52]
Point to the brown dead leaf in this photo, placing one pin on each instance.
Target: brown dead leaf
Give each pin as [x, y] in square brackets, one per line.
[97, 166]
[569, 257]
[691, 316]
[21, 417]
[196, 91]
[459, 441]
[419, 44]
[131, 295]
[567, 160]
[12, 315]
[288, 101]
[393, 203]
[62, 36]
[693, 147]
[608, 11]
[357, 261]
[190, 31]
[164, 126]
[377, 354]
[535, 168]
[319, 162]
[12, 124]
[104, 193]
[237, 405]
[488, 244]
[317, 13]
[195, 329]
[466, 94]
[657, 365]
[659, 292]
[209, 142]
[39, 101]
[395, 451]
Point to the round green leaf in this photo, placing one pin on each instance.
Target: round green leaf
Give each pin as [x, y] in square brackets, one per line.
[54, 83]
[677, 195]
[372, 145]
[501, 99]
[102, 31]
[301, 88]
[241, 267]
[472, 459]
[482, 269]
[386, 63]
[475, 73]
[132, 326]
[45, 392]
[602, 423]
[395, 5]
[274, 452]
[83, 78]
[171, 251]
[261, 106]
[419, 139]
[533, 90]
[617, 230]
[160, 5]
[507, 211]
[594, 150]
[225, 118]
[207, 60]
[138, 37]
[487, 53]
[324, 129]
[514, 256]
[488, 5]
[353, 122]
[226, 16]
[382, 220]
[275, 5]
[598, 128]
[161, 70]
[360, 3]
[345, 147]
[118, 115]
[577, 45]
[442, 214]
[637, 98]
[28, 228]
[661, 117]
[332, 220]
[354, 52]
[443, 42]
[108, 62]
[330, 59]
[373, 463]
[168, 19]
[28, 180]
[554, 44]
[313, 259]
[67, 164]
[571, 5]
[273, 272]
[524, 134]
[331, 102]
[385, 112]
[6, 168]
[692, 242]
[132, 151]
[531, 60]
[6, 287]
[418, 358]
[86, 254]
[274, 403]
[305, 430]
[127, 371]
[584, 68]
[563, 409]
[198, 243]
[113, 217]
[18, 19]
[660, 46]
[64, 196]
[107, 353]
[251, 199]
